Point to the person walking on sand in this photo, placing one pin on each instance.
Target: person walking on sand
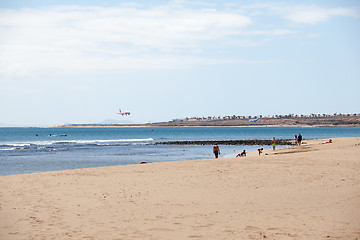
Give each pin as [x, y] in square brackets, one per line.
[273, 143]
[295, 140]
[216, 150]
[299, 139]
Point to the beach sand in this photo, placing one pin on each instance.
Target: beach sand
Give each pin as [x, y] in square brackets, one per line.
[306, 192]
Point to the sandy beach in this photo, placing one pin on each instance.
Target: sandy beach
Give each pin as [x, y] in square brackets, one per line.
[306, 192]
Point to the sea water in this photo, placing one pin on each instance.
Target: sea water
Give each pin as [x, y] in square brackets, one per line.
[29, 150]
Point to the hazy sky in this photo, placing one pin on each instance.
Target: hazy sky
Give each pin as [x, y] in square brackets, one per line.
[80, 61]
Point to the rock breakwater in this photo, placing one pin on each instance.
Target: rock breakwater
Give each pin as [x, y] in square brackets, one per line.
[229, 142]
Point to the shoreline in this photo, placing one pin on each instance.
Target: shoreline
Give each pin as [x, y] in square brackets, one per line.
[301, 192]
[160, 126]
[185, 126]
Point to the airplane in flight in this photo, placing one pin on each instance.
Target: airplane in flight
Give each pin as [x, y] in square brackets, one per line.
[123, 113]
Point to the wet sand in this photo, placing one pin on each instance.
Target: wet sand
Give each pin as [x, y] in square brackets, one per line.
[306, 192]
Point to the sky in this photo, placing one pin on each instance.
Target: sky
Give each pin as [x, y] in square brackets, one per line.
[80, 61]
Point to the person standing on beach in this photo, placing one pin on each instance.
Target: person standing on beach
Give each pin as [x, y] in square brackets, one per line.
[216, 150]
[273, 143]
[295, 140]
[299, 139]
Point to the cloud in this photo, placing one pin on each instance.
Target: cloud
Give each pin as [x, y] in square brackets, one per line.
[300, 13]
[69, 37]
[315, 14]
[176, 34]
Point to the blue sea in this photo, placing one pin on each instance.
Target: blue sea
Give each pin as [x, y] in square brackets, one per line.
[29, 150]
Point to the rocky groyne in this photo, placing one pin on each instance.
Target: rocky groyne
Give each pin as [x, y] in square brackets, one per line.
[229, 142]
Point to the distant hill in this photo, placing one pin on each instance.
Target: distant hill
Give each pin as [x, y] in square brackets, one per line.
[271, 121]
[316, 121]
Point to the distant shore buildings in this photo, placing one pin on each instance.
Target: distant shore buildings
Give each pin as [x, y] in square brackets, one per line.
[277, 116]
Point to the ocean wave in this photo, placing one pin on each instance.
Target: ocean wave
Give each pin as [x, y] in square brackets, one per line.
[17, 144]
[103, 142]
[7, 149]
[99, 142]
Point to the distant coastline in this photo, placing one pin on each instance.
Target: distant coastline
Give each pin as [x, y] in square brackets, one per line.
[315, 120]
